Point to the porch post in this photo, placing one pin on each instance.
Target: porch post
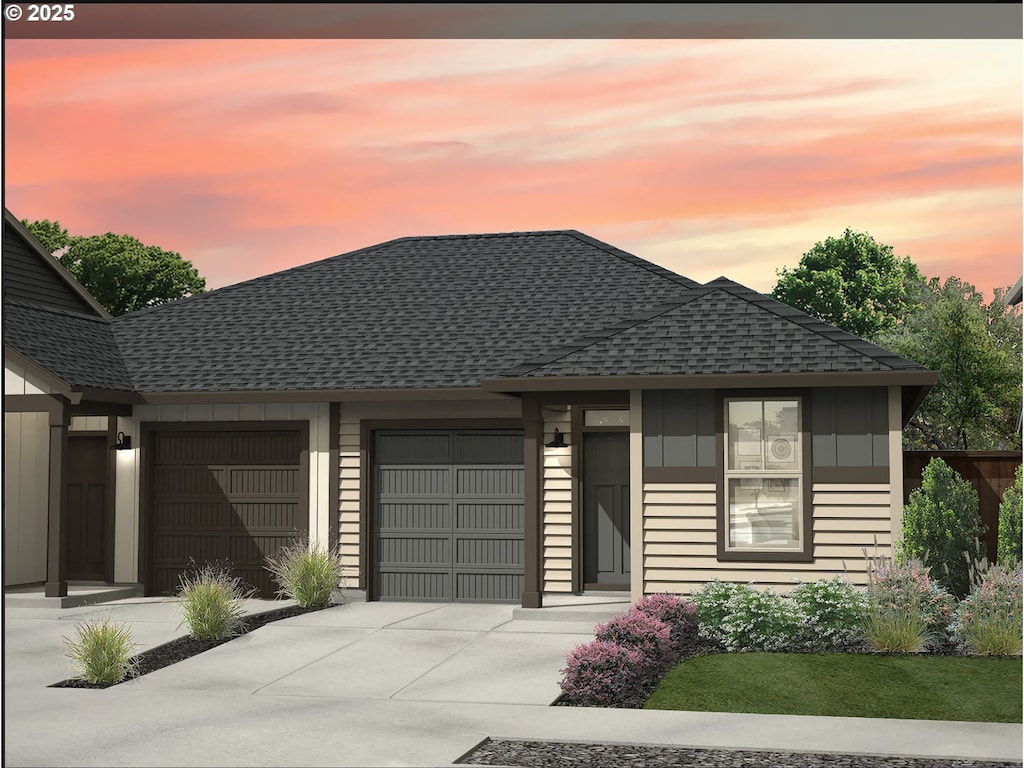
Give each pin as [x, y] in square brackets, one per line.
[533, 436]
[56, 567]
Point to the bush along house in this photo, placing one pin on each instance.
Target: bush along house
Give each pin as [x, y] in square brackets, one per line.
[466, 418]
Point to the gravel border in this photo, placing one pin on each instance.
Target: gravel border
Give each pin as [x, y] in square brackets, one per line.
[555, 754]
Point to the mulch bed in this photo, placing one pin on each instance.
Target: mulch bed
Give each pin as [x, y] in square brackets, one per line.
[186, 647]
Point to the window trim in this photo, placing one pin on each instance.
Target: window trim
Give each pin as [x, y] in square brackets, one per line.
[803, 554]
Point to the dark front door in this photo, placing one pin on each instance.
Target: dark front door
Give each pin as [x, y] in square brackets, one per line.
[87, 508]
[606, 510]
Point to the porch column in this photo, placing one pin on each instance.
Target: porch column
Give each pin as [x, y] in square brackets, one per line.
[56, 568]
[533, 436]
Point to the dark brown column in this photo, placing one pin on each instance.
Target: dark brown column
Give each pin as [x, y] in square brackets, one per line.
[533, 431]
[56, 571]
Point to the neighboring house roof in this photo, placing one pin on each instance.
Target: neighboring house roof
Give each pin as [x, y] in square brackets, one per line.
[417, 312]
[76, 348]
[719, 328]
[1015, 294]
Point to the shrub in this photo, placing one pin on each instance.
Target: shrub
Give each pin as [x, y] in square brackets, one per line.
[906, 610]
[212, 602]
[308, 575]
[759, 621]
[941, 525]
[102, 651]
[988, 621]
[605, 674]
[830, 614]
[679, 614]
[713, 608]
[1009, 546]
[647, 634]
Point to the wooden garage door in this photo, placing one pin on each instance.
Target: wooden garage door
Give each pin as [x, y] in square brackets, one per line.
[231, 495]
[448, 515]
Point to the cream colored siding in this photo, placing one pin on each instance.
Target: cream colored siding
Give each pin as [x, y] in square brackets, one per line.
[18, 381]
[349, 518]
[680, 535]
[126, 500]
[88, 424]
[26, 496]
[556, 509]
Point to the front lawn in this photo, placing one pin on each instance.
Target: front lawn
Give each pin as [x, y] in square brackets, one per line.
[846, 685]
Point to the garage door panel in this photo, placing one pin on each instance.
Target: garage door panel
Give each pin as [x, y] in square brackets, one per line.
[190, 514]
[486, 516]
[487, 587]
[415, 551]
[252, 515]
[488, 448]
[488, 552]
[251, 548]
[264, 447]
[189, 481]
[489, 481]
[190, 448]
[178, 548]
[419, 585]
[413, 516]
[413, 448]
[414, 481]
[262, 481]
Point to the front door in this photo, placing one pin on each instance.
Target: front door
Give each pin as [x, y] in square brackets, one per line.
[87, 508]
[606, 510]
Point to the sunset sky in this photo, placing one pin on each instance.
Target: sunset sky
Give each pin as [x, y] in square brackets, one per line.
[710, 157]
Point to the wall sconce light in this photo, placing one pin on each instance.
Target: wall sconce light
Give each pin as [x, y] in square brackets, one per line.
[124, 442]
[558, 441]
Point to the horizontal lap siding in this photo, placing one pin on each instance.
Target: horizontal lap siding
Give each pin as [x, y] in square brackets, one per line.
[349, 531]
[680, 535]
[556, 507]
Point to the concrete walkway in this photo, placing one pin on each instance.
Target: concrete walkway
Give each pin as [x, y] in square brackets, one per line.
[378, 684]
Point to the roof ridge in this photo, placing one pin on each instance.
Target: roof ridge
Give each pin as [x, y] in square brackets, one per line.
[595, 337]
[808, 322]
[634, 259]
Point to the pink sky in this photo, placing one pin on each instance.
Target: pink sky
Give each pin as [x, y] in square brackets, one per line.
[710, 157]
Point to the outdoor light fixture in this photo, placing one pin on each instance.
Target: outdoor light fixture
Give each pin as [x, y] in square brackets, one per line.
[558, 442]
[124, 442]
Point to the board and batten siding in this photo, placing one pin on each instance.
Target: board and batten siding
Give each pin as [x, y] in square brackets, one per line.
[680, 535]
[26, 277]
[128, 468]
[556, 508]
[19, 381]
[26, 496]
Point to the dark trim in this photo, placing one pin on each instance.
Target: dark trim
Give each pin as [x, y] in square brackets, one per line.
[321, 395]
[110, 396]
[111, 512]
[533, 556]
[57, 513]
[334, 470]
[606, 428]
[33, 404]
[376, 424]
[973, 454]
[147, 429]
[93, 408]
[681, 474]
[512, 384]
[87, 432]
[598, 587]
[576, 489]
[806, 553]
[592, 399]
[850, 475]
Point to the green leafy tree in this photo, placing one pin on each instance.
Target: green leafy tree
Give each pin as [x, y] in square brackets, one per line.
[121, 272]
[853, 282]
[1009, 545]
[941, 526]
[976, 348]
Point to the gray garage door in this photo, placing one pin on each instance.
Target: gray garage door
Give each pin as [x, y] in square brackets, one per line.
[448, 515]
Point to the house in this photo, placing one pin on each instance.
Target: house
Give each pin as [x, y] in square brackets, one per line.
[481, 417]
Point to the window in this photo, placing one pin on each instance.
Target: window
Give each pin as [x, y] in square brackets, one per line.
[763, 477]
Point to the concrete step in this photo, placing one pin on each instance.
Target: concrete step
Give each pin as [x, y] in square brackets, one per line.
[588, 608]
[77, 596]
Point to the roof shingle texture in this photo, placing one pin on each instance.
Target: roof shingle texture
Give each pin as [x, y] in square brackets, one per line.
[720, 328]
[77, 348]
[409, 313]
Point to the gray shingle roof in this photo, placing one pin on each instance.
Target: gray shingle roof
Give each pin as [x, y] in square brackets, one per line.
[409, 313]
[77, 348]
[720, 328]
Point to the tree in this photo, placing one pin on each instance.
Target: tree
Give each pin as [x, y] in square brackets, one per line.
[1009, 534]
[852, 282]
[941, 525]
[122, 273]
[976, 348]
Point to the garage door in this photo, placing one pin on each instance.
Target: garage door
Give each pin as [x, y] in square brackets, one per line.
[448, 515]
[232, 495]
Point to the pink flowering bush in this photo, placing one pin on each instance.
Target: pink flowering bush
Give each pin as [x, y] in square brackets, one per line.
[603, 673]
[906, 609]
[679, 614]
[988, 621]
[647, 634]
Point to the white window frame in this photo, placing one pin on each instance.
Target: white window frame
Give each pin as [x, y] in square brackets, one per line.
[796, 473]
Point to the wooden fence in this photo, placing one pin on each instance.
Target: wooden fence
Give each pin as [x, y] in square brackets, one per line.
[990, 472]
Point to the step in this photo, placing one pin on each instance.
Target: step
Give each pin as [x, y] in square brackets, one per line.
[77, 596]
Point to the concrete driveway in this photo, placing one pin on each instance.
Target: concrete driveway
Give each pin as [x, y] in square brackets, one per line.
[376, 684]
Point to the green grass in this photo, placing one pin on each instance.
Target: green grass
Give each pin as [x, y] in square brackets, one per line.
[846, 685]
